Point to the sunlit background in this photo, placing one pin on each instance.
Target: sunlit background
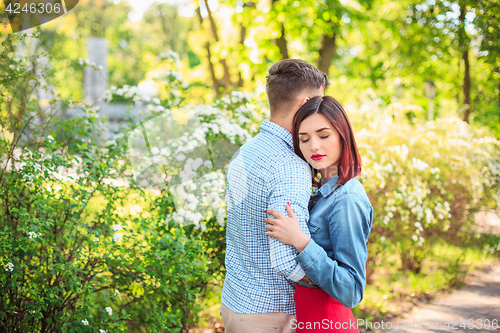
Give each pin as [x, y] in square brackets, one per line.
[390, 48]
[95, 238]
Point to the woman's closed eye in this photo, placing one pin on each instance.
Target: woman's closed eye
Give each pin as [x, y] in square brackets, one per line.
[322, 137]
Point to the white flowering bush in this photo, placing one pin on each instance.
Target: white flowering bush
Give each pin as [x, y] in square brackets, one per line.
[87, 63]
[425, 179]
[184, 146]
[78, 252]
[180, 150]
[127, 235]
[185, 149]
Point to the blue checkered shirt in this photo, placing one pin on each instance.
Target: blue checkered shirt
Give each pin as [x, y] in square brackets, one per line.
[264, 174]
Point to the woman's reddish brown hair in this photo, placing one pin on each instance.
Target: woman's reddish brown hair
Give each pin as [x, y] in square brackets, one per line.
[350, 161]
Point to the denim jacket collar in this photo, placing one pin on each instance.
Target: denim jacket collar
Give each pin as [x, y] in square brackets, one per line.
[277, 130]
[329, 187]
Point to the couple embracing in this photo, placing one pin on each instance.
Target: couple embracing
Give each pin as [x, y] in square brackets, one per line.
[296, 258]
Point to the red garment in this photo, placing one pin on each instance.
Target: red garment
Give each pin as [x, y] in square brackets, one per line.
[319, 312]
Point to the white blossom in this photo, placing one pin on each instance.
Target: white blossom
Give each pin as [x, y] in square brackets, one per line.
[109, 310]
[419, 226]
[9, 267]
[29, 178]
[85, 322]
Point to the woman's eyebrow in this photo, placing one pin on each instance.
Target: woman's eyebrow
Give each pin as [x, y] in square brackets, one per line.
[321, 129]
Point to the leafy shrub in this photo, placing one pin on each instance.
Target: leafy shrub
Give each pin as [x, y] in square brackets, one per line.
[424, 179]
[86, 247]
[82, 248]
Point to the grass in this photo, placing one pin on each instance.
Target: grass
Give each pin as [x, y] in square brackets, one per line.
[210, 317]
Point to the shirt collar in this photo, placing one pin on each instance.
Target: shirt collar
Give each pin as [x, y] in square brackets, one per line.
[329, 187]
[278, 131]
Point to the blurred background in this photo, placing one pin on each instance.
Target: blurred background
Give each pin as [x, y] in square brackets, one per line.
[86, 246]
[387, 49]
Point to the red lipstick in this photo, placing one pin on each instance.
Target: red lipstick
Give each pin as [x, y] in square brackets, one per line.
[317, 157]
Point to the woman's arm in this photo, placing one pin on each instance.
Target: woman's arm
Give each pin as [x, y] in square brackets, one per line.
[286, 229]
[343, 277]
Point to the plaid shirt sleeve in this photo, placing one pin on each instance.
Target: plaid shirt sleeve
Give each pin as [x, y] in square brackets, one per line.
[289, 182]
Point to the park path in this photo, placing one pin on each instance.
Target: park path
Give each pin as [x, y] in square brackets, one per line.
[479, 300]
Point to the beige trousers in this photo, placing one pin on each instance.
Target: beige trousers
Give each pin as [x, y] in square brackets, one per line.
[256, 323]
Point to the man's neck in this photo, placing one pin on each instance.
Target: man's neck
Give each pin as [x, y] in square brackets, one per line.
[285, 123]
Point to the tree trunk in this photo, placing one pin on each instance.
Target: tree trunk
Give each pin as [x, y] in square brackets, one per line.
[499, 94]
[215, 81]
[464, 44]
[168, 25]
[227, 77]
[243, 33]
[498, 71]
[281, 41]
[326, 52]
[466, 86]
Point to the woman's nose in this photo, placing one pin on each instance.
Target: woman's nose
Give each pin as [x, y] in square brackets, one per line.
[314, 144]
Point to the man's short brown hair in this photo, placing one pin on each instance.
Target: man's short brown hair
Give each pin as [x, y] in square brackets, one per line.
[289, 77]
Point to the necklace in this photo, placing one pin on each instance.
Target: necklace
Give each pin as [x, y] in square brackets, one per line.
[317, 179]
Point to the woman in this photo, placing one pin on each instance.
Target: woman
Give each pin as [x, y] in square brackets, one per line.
[341, 216]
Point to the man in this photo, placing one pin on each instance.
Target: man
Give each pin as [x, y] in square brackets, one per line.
[257, 295]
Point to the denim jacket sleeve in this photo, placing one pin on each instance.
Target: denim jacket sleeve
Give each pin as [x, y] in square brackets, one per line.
[343, 276]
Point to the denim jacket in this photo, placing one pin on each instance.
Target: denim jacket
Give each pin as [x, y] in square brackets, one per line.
[340, 222]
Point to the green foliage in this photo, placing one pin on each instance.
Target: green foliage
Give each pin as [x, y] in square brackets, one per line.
[79, 252]
[382, 45]
[130, 55]
[425, 180]
[84, 248]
